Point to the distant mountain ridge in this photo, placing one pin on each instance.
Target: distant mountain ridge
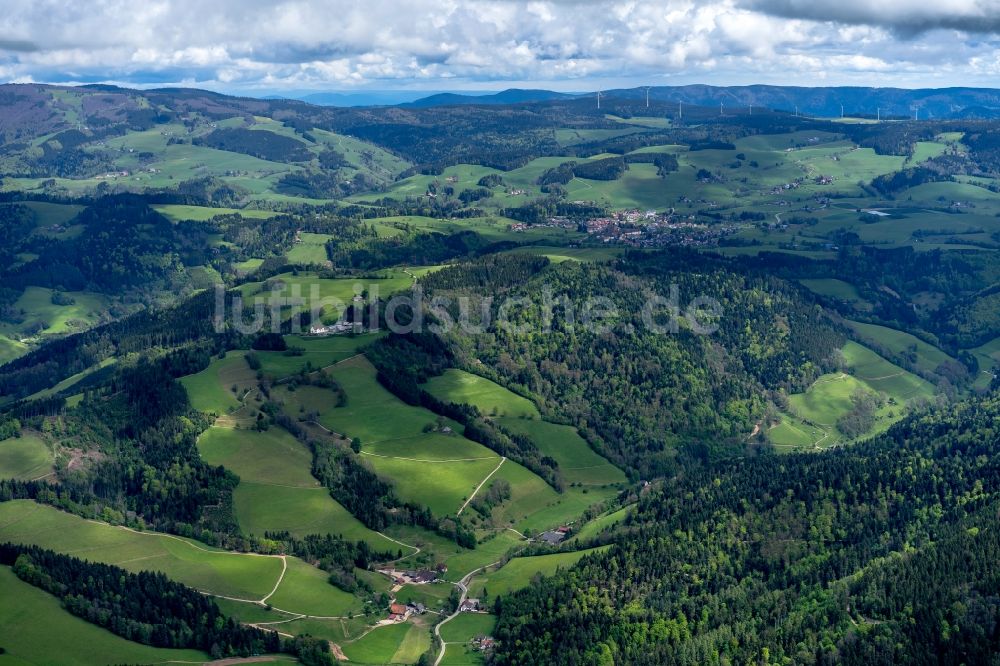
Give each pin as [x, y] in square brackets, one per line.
[940, 103]
[509, 96]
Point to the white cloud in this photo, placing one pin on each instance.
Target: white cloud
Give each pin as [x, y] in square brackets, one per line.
[263, 44]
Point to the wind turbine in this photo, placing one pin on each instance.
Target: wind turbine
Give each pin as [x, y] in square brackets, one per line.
[878, 114]
[598, 99]
[722, 111]
[842, 111]
[680, 110]
[647, 97]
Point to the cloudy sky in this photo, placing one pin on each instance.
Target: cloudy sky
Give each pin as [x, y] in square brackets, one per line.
[262, 46]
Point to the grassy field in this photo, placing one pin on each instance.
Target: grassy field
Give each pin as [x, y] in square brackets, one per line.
[305, 589]
[558, 255]
[989, 359]
[489, 397]
[518, 572]
[272, 456]
[462, 655]
[50, 319]
[329, 296]
[184, 560]
[827, 399]
[25, 458]
[35, 629]
[437, 469]
[318, 352]
[881, 375]
[925, 356]
[302, 589]
[467, 626]
[277, 490]
[401, 643]
[432, 595]
[179, 212]
[833, 288]
[792, 433]
[310, 249]
[211, 389]
[11, 349]
[434, 469]
[459, 633]
[813, 415]
[579, 463]
[601, 523]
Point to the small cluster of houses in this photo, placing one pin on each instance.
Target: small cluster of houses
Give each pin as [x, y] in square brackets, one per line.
[556, 536]
[472, 605]
[484, 643]
[784, 187]
[644, 228]
[402, 612]
[339, 328]
[415, 576]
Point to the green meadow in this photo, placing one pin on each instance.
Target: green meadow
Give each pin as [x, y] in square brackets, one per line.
[435, 469]
[305, 589]
[309, 249]
[432, 595]
[11, 348]
[330, 295]
[301, 588]
[35, 629]
[277, 490]
[925, 356]
[490, 398]
[813, 415]
[518, 572]
[26, 457]
[466, 626]
[601, 523]
[557, 255]
[883, 376]
[180, 212]
[318, 352]
[211, 389]
[578, 462]
[458, 634]
[833, 288]
[988, 356]
[401, 643]
[41, 314]
[184, 560]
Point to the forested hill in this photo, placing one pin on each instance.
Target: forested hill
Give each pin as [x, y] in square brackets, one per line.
[884, 553]
[646, 395]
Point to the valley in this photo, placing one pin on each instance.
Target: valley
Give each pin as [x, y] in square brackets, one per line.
[298, 360]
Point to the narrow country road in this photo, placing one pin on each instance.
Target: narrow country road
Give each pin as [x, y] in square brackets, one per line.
[463, 585]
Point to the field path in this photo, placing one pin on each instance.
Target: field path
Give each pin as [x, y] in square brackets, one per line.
[284, 568]
[502, 461]
[416, 550]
